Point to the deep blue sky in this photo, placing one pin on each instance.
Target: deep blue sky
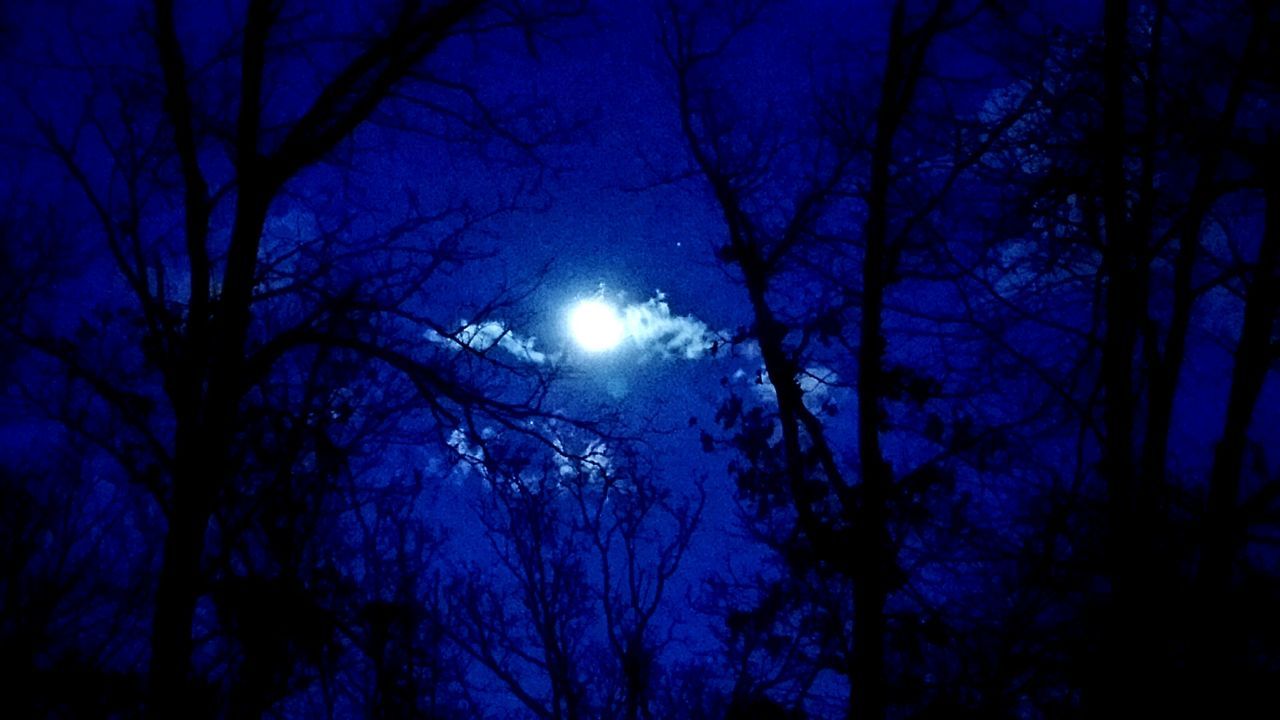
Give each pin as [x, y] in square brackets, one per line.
[603, 227]
[599, 222]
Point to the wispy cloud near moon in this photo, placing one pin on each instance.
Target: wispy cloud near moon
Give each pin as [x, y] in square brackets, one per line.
[649, 327]
[652, 326]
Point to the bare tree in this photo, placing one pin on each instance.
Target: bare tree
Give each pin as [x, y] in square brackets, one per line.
[570, 623]
[218, 303]
[843, 227]
[1133, 183]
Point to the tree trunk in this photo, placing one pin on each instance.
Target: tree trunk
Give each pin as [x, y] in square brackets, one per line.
[202, 462]
[179, 585]
[867, 694]
[1223, 529]
[1121, 687]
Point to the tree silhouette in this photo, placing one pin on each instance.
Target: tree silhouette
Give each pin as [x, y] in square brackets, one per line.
[851, 226]
[217, 306]
[582, 540]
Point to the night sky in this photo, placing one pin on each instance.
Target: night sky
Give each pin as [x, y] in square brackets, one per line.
[608, 359]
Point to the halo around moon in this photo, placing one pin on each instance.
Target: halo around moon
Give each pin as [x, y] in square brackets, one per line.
[595, 326]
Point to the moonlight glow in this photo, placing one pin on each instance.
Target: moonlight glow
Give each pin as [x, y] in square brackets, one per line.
[595, 326]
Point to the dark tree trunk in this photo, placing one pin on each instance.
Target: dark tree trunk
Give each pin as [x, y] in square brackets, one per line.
[1122, 645]
[203, 463]
[868, 697]
[178, 587]
[1221, 643]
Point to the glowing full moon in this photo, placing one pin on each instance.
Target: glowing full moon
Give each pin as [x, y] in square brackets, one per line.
[595, 326]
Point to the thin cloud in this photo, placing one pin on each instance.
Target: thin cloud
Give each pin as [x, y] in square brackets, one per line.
[649, 326]
[652, 326]
[483, 337]
[591, 460]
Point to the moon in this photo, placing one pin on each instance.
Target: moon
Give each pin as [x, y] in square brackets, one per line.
[596, 326]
